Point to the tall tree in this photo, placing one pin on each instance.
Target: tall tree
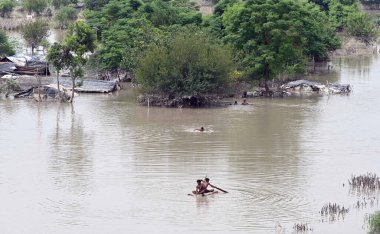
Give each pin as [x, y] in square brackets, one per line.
[79, 41]
[35, 32]
[58, 55]
[275, 36]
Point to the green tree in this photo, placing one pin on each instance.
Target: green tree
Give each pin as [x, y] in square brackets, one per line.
[79, 41]
[191, 63]
[276, 36]
[59, 3]
[339, 12]
[58, 55]
[124, 43]
[95, 4]
[65, 15]
[6, 7]
[6, 48]
[36, 6]
[361, 26]
[34, 33]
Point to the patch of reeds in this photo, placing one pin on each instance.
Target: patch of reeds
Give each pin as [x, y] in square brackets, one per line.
[370, 201]
[333, 211]
[367, 184]
[301, 227]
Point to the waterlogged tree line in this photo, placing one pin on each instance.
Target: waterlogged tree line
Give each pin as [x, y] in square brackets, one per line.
[268, 37]
[253, 40]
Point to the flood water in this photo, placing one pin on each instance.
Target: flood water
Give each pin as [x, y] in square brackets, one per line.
[107, 165]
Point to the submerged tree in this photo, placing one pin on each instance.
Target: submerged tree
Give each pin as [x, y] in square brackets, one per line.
[35, 32]
[276, 36]
[79, 42]
[58, 56]
[73, 52]
[36, 6]
[192, 63]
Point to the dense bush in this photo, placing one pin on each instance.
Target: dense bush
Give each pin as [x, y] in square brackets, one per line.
[6, 7]
[34, 33]
[361, 26]
[191, 63]
[5, 47]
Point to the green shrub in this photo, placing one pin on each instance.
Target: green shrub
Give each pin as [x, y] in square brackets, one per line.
[361, 26]
[6, 7]
[374, 223]
[191, 63]
[6, 48]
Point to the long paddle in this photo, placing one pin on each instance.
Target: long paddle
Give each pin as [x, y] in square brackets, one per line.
[224, 191]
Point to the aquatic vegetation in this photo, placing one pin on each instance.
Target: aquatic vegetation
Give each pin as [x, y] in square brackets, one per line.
[370, 201]
[365, 184]
[301, 227]
[333, 212]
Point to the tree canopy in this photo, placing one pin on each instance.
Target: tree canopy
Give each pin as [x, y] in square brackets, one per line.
[190, 63]
[72, 53]
[36, 6]
[127, 27]
[35, 32]
[65, 15]
[6, 7]
[276, 36]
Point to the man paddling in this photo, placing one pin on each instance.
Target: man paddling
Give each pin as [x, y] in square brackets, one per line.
[205, 184]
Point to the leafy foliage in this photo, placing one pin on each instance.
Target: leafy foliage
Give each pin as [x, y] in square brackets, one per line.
[191, 63]
[6, 7]
[59, 3]
[36, 6]
[79, 41]
[374, 223]
[35, 32]
[361, 26]
[65, 16]
[5, 47]
[95, 4]
[8, 86]
[127, 27]
[275, 36]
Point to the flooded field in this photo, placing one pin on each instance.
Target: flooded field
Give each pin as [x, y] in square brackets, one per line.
[107, 165]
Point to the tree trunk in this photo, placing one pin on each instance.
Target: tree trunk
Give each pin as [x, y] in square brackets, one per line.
[72, 91]
[266, 77]
[59, 92]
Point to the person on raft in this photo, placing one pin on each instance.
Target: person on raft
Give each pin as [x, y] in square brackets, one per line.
[205, 184]
[198, 188]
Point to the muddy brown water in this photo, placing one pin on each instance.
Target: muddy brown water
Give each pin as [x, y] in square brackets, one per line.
[108, 165]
